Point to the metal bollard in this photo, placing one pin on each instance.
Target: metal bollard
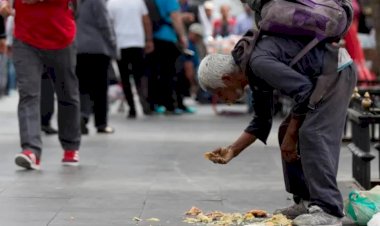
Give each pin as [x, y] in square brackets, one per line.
[362, 120]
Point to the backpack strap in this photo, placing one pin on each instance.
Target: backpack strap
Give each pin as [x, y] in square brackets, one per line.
[329, 71]
[305, 50]
[244, 47]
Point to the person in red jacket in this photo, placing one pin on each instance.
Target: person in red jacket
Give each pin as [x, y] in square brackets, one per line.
[224, 26]
[44, 34]
[354, 47]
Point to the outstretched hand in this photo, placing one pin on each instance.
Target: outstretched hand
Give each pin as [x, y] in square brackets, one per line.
[220, 155]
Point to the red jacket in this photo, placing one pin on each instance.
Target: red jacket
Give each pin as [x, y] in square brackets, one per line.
[218, 27]
[46, 25]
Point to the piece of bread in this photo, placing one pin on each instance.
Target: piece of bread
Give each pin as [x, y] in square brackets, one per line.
[209, 155]
[258, 213]
[194, 211]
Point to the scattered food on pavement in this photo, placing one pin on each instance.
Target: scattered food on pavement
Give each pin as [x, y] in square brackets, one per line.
[251, 218]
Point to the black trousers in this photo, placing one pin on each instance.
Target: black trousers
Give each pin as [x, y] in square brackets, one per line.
[161, 79]
[132, 63]
[92, 72]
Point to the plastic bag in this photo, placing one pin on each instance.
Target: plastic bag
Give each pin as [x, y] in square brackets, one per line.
[373, 195]
[362, 206]
[375, 221]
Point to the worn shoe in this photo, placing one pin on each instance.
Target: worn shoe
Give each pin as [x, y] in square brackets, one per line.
[48, 130]
[28, 160]
[317, 217]
[293, 211]
[132, 114]
[106, 130]
[70, 158]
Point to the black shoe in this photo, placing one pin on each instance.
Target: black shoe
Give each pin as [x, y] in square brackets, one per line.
[48, 130]
[132, 114]
[147, 111]
[106, 130]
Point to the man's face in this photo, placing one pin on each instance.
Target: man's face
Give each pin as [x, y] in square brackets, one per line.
[209, 12]
[229, 94]
[225, 10]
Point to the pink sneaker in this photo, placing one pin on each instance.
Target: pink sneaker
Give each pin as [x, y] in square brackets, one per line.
[28, 160]
[70, 158]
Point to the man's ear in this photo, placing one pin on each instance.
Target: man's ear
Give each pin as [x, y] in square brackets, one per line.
[227, 79]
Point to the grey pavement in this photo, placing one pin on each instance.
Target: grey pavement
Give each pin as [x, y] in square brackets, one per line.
[151, 167]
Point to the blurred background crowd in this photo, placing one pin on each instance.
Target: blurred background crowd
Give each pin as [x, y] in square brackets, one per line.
[149, 63]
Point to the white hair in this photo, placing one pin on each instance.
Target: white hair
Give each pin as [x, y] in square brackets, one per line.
[212, 68]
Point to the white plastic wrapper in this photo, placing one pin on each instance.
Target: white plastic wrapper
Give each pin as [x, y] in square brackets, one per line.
[375, 220]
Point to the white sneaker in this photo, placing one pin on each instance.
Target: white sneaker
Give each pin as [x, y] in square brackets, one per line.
[317, 217]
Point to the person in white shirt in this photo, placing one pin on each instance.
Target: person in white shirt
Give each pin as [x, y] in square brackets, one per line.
[134, 39]
[245, 21]
[205, 17]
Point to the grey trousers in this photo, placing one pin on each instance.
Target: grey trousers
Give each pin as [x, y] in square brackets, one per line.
[29, 63]
[313, 178]
[47, 98]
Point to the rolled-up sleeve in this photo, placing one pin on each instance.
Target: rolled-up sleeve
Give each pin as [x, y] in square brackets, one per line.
[261, 123]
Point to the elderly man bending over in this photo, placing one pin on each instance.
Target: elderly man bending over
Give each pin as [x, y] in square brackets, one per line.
[311, 177]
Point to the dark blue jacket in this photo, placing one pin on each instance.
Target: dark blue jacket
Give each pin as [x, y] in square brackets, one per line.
[268, 70]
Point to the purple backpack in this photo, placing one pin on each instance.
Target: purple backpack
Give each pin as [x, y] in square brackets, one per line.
[320, 19]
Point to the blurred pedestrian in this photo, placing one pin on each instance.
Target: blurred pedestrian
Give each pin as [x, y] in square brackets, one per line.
[3, 59]
[354, 46]
[186, 84]
[9, 27]
[224, 26]
[51, 44]
[96, 46]
[134, 37]
[189, 13]
[169, 40]
[206, 18]
[244, 21]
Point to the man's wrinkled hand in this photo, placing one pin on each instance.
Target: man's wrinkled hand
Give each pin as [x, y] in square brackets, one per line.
[220, 155]
[289, 147]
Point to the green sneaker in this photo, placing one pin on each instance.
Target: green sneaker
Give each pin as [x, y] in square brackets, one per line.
[317, 217]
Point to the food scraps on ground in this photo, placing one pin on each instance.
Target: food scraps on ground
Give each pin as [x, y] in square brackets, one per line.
[252, 218]
[153, 219]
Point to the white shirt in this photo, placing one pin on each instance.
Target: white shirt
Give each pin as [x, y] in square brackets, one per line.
[127, 18]
[205, 21]
[344, 59]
